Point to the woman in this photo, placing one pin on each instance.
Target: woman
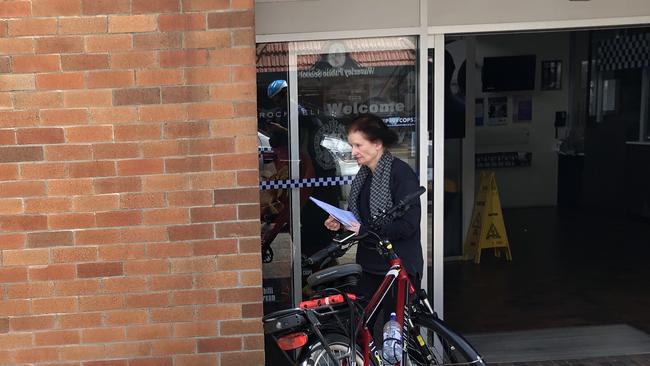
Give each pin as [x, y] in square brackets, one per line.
[382, 180]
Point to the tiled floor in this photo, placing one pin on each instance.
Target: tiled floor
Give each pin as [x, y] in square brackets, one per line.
[570, 268]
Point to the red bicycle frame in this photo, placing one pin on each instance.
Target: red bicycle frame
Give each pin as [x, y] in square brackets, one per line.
[395, 273]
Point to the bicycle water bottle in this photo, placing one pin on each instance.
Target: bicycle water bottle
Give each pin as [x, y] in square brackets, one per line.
[392, 346]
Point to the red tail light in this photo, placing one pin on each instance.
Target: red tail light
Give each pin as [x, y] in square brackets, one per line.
[292, 341]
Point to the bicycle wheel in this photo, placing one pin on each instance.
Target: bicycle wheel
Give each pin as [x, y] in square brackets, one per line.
[340, 346]
[432, 342]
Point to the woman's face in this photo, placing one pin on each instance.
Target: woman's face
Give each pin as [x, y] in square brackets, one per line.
[365, 151]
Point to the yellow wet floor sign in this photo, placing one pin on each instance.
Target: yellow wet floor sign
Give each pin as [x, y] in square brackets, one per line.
[487, 229]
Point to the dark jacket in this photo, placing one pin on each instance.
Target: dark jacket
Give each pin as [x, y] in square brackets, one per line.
[403, 232]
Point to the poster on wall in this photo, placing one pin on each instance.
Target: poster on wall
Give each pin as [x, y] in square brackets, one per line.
[497, 111]
[522, 108]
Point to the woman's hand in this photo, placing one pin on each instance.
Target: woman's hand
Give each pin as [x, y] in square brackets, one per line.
[354, 228]
[332, 224]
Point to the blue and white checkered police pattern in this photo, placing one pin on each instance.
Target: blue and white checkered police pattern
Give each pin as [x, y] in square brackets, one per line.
[306, 182]
[624, 52]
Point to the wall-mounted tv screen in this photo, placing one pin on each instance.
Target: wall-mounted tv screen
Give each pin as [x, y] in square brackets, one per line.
[508, 73]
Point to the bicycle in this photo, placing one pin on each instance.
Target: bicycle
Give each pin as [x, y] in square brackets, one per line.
[331, 326]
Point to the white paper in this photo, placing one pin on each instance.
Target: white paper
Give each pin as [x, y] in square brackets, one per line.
[346, 218]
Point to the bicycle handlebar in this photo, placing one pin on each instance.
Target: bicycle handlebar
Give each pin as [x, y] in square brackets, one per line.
[334, 249]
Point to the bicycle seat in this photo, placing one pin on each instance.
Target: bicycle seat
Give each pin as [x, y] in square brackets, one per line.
[336, 276]
[284, 320]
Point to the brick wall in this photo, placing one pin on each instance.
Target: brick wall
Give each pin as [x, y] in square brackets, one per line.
[129, 221]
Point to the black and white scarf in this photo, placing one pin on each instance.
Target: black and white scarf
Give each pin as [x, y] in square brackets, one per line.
[380, 194]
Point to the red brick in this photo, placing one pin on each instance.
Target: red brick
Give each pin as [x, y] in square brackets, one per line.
[8, 171]
[8, 275]
[248, 178]
[222, 344]
[237, 327]
[242, 358]
[49, 239]
[126, 317]
[97, 236]
[137, 133]
[136, 96]
[207, 39]
[165, 216]
[131, 23]
[159, 77]
[103, 335]
[207, 75]
[92, 169]
[239, 92]
[142, 200]
[101, 302]
[119, 218]
[186, 130]
[111, 79]
[60, 44]
[11, 206]
[185, 94]
[23, 223]
[86, 270]
[169, 183]
[114, 115]
[32, 26]
[64, 187]
[193, 297]
[64, 116]
[193, 265]
[48, 8]
[154, 266]
[181, 22]
[85, 320]
[95, 203]
[213, 180]
[41, 354]
[68, 152]
[21, 189]
[38, 100]
[99, 7]
[66, 80]
[212, 214]
[47, 204]
[15, 340]
[237, 195]
[76, 254]
[162, 113]
[122, 252]
[14, 307]
[190, 164]
[175, 282]
[243, 262]
[130, 349]
[108, 43]
[20, 153]
[172, 314]
[231, 19]
[83, 25]
[203, 329]
[243, 37]
[190, 198]
[235, 161]
[35, 63]
[199, 5]
[147, 300]
[115, 151]
[84, 62]
[190, 232]
[18, 118]
[89, 134]
[41, 135]
[76, 287]
[244, 74]
[210, 111]
[14, 9]
[252, 310]
[56, 305]
[140, 167]
[242, 4]
[30, 290]
[118, 185]
[196, 360]
[71, 221]
[157, 361]
[5, 98]
[160, 6]
[212, 146]
[216, 247]
[88, 98]
[125, 284]
[82, 352]
[7, 137]
[43, 171]
[134, 60]
[16, 82]
[149, 331]
[183, 58]
[173, 346]
[157, 41]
